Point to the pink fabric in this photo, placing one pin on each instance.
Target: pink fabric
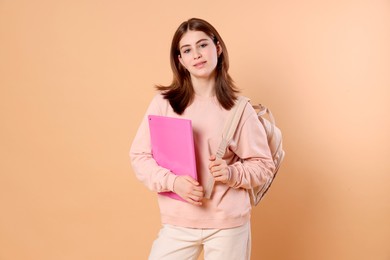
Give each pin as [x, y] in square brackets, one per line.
[248, 157]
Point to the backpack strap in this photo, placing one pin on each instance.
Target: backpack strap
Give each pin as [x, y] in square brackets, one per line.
[262, 112]
[228, 132]
[231, 125]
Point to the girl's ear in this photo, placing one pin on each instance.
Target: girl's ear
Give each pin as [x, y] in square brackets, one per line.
[219, 49]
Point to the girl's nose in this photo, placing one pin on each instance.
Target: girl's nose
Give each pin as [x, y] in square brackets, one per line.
[197, 55]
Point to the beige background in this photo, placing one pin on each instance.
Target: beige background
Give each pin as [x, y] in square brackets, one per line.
[77, 76]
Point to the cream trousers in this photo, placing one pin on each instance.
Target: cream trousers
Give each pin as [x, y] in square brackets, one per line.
[178, 243]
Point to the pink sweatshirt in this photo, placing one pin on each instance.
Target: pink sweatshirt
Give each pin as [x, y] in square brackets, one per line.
[248, 157]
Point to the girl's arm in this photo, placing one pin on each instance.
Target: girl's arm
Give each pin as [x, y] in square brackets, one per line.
[255, 165]
[155, 177]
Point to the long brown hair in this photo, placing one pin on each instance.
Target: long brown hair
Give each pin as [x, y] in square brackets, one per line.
[181, 92]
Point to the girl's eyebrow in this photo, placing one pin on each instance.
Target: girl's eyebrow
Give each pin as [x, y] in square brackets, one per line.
[187, 45]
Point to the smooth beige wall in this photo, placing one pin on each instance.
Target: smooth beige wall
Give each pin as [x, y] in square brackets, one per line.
[77, 76]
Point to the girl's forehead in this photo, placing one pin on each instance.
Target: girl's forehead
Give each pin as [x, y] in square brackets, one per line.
[191, 37]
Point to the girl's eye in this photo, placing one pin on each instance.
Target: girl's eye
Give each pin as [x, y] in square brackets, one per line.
[203, 45]
[186, 51]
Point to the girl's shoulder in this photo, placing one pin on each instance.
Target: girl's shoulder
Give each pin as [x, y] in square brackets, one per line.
[248, 111]
[159, 99]
[158, 104]
[248, 107]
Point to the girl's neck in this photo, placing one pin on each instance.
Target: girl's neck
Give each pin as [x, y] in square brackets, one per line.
[204, 87]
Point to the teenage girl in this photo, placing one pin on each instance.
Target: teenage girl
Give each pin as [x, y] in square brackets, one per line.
[203, 92]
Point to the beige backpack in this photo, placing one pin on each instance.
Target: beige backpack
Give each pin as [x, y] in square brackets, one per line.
[274, 137]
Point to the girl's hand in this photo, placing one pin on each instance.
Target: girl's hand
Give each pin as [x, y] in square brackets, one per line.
[219, 169]
[189, 189]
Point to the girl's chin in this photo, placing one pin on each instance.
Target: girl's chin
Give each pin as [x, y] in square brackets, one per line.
[203, 75]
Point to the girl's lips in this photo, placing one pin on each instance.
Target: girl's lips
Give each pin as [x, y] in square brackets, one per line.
[199, 64]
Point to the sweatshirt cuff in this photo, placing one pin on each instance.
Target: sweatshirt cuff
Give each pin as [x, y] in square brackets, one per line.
[171, 180]
[232, 176]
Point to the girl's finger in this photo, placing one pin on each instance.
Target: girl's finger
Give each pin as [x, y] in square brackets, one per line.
[194, 202]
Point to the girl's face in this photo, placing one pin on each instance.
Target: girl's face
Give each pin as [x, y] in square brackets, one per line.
[199, 54]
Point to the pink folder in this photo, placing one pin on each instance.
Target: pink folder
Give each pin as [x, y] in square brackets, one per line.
[173, 146]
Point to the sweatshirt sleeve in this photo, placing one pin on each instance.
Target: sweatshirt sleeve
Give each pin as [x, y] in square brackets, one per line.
[156, 178]
[255, 165]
